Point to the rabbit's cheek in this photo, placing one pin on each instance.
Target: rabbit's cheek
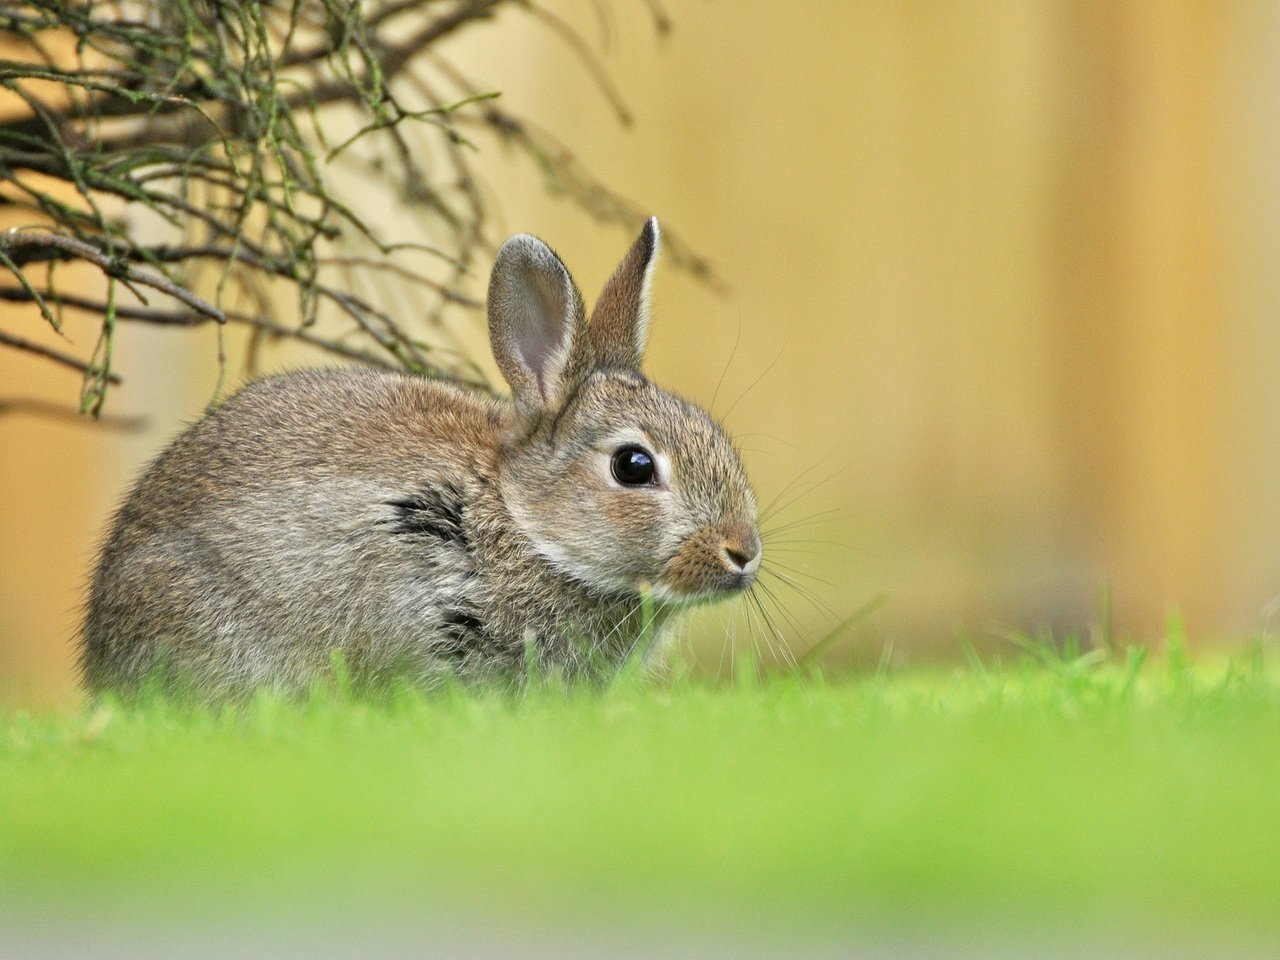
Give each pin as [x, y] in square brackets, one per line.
[635, 537]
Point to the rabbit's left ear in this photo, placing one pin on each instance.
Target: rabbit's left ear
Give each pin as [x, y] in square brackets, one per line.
[536, 324]
[620, 322]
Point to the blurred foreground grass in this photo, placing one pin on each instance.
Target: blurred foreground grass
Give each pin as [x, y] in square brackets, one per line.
[1058, 789]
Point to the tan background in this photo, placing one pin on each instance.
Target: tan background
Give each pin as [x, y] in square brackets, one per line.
[1002, 276]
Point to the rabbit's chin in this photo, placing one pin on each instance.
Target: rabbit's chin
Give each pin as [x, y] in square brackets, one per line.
[672, 597]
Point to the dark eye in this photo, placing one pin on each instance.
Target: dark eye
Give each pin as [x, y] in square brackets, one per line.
[633, 466]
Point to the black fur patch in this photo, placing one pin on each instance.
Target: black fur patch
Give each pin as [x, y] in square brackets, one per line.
[459, 625]
[464, 633]
[431, 512]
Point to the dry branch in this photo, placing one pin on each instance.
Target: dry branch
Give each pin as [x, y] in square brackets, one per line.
[225, 121]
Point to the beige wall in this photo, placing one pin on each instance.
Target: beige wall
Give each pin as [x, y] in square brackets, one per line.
[1002, 277]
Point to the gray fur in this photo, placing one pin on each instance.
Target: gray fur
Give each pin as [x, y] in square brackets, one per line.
[417, 527]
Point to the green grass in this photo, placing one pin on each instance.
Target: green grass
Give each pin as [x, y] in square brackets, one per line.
[1061, 790]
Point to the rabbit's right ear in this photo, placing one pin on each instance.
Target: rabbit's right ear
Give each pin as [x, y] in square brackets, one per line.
[620, 322]
[536, 324]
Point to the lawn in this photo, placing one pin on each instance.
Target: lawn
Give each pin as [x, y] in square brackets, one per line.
[1051, 791]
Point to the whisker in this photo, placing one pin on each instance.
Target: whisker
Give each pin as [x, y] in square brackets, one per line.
[727, 364]
[600, 645]
[769, 507]
[804, 492]
[813, 599]
[782, 608]
[804, 593]
[796, 571]
[768, 436]
[724, 650]
[783, 647]
[732, 662]
[753, 383]
[753, 611]
[794, 545]
[731, 637]
[758, 627]
[807, 520]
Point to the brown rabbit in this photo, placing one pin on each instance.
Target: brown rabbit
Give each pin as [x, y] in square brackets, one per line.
[420, 528]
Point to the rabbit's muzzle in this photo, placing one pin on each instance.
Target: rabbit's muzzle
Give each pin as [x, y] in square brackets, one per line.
[715, 560]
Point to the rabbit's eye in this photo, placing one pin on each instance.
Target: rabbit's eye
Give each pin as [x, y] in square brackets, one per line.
[633, 466]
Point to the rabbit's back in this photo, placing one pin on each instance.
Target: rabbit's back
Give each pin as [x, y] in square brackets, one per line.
[311, 512]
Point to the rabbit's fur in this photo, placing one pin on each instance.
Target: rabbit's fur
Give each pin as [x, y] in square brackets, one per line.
[420, 528]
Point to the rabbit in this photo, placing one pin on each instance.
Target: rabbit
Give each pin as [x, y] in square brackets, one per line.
[422, 528]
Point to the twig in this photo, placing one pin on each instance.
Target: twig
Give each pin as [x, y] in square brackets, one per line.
[174, 318]
[27, 246]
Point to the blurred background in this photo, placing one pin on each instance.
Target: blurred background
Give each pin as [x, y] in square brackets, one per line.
[999, 312]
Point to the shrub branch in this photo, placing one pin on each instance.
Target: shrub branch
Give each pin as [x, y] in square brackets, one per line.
[197, 150]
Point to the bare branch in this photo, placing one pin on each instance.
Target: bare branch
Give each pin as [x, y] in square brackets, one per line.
[23, 247]
[222, 124]
[178, 318]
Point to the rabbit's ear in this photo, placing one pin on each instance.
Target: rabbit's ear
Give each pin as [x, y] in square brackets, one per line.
[620, 322]
[536, 323]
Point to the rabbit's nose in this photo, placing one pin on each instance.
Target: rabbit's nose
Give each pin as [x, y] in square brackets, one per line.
[740, 552]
